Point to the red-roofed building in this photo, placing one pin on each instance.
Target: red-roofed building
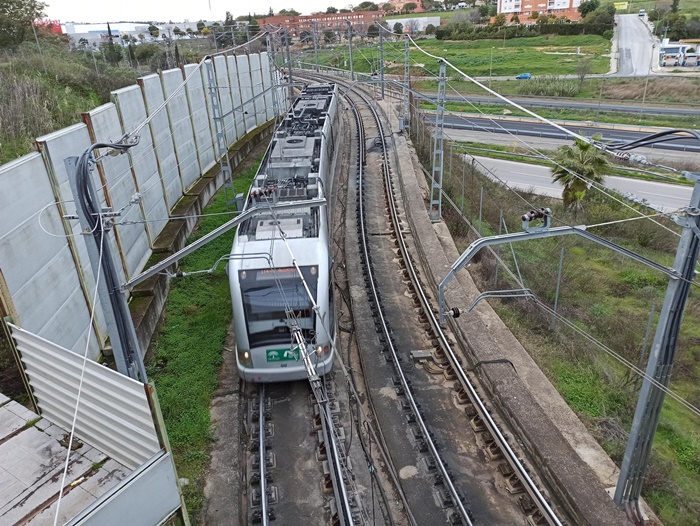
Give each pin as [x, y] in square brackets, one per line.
[360, 20]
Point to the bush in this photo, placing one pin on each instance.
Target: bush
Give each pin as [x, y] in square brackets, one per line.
[549, 86]
[608, 34]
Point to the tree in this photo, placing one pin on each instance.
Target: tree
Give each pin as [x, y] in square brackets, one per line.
[290, 12]
[177, 31]
[200, 25]
[583, 68]
[388, 8]
[412, 26]
[331, 10]
[270, 12]
[577, 167]
[344, 10]
[16, 18]
[535, 15]
[373, 31]
[328, 36]
[499, 20]
[189, 32]
[366, 6]
[153, 31]
[430, 29]
[588, 6]
[410, 7]
[83, 43]
[674, 6]
[515, 19]
[398, 28]
[253, 27]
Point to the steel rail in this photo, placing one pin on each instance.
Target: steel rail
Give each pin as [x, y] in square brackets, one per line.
[457, 501]
[264, 513]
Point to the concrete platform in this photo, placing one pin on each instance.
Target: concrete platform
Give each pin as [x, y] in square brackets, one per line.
[33, 455]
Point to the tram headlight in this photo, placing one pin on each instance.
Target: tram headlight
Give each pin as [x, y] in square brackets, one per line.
[323, 350]
[244, 358]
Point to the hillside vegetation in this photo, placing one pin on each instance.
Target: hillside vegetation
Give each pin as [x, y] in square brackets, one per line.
[39, 94]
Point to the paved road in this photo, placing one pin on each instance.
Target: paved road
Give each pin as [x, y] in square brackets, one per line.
[618, 107]
[663, 196]
[634, 46]
[538, 129]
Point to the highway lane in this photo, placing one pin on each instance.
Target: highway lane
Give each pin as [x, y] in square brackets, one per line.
[553, 102]
[662, 196]
[496, 124]
[634, 46]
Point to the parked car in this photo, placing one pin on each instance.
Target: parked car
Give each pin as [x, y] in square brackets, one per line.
[524, 76]
[642, 13]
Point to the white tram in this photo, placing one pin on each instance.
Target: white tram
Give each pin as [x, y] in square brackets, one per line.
[269, 297]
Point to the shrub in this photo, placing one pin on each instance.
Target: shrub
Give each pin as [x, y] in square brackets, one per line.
[549, 86]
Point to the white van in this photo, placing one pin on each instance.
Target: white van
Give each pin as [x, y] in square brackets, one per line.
[642, 12]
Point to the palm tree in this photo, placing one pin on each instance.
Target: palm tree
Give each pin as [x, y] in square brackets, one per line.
[577, 167]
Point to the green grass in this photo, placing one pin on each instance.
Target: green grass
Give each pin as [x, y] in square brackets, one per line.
[475, 57]
[188, 349]
[444, 15]
[687, 7]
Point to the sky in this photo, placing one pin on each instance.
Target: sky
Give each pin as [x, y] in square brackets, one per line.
[175, 10]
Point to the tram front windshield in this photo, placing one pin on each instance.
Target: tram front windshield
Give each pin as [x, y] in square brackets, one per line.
[271, 297]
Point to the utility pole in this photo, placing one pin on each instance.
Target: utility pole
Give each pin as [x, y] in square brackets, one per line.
[315, 26]
[120, 325]
[381, 57]
[219, 133]
[352, 69]
[438, 154]
[247, 35]
[289, 69]
[406, 92]
[661, 357]
[273, 74]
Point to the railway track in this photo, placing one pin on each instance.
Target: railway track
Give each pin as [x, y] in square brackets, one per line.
[516, 475]
[297, 465]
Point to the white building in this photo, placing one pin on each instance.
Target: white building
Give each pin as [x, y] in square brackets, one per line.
[527, 7]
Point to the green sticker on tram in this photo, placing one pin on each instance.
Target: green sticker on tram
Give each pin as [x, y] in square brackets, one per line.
[280, 355]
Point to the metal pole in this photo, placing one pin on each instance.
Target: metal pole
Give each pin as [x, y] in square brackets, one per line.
[438, 152]
[406, 87]
[481, 206]
[39, 46]
[124, 341]
[464, 163]
[490, 67]
[315, 26]
[644, 345]
[660, 364]
[556, 294]
[290, 92]
[498, 250]
[247, 35]
[381, 58]
[352, 68]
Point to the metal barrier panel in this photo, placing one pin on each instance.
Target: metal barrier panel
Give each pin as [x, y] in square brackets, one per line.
[119, 188]
[147, 496]
[114, 415]
[132, 112]
[162, 139]
[257, 88]
[37, 264]
[181, 126]
[246, 86]
[55, 147]
[223, 84]
[197, 100]
[267, 81]
[235, 77]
